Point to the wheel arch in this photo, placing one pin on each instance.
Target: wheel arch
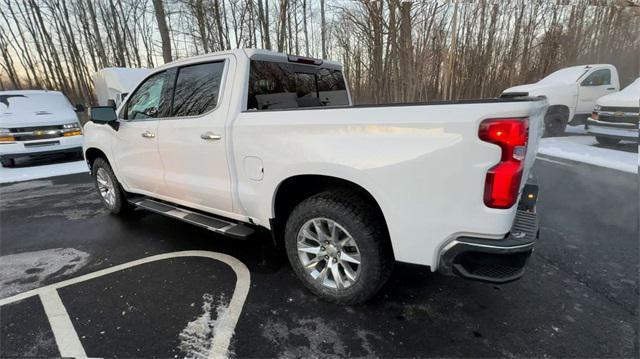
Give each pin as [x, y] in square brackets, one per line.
[295, 189]
[91, 154]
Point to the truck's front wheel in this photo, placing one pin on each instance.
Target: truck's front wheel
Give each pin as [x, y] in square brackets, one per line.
[338, 247]
[555, 123]
[111, 194]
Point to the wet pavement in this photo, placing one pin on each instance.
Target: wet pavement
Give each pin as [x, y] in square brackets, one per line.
[579, 297]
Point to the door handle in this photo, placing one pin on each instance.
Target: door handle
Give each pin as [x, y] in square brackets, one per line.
[611, 88]
[147, 134]
[210, 136]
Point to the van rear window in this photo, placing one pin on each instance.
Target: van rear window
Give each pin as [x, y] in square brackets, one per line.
[276, 85]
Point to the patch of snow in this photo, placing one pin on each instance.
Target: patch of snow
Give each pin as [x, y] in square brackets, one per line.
[196, 338]
[578, 130]
[581, 149]
[16, 174]
[24, 271]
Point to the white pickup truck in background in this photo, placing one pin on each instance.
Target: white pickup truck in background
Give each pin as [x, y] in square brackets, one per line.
[242, 139]
[572, 92]
[615, 116]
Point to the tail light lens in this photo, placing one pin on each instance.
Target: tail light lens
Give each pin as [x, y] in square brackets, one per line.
[503, 180]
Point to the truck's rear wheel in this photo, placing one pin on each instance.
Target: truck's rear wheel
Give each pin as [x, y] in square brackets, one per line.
[607, 141]
[338, 247]
[111, 194]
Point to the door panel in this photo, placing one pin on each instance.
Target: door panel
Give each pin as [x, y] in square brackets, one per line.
[136, 144]
[594, 86]
[192, 143]
[137, 156]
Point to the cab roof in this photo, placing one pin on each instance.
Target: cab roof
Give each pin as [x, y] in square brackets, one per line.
[250, 53]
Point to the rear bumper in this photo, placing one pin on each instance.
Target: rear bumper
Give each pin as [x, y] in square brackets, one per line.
[623, 131]
[490, 260]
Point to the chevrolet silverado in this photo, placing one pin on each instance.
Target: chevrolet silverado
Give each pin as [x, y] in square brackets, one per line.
[242, 139]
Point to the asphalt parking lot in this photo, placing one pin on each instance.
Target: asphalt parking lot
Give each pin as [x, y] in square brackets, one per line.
[579, 297]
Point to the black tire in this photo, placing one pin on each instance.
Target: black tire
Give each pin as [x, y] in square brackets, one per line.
[120, 205]
[366, 226]
[9, 162]
[607, 141]
[555, 123]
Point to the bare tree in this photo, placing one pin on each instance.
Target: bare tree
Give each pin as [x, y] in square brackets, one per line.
[158, 6]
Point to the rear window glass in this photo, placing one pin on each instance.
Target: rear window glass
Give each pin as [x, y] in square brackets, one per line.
[197, 88]
[275, 85]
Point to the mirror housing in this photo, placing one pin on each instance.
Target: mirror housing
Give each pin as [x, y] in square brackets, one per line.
[104, 115]
[79, 108]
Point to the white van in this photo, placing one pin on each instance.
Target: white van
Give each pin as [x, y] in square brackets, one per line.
[38, 123]
[113, 84]
[615, 116]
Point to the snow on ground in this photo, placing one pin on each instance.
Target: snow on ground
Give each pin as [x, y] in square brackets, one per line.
[16, 174]
[578, 130]
[197, 337]
[23, 271]
[581, 149]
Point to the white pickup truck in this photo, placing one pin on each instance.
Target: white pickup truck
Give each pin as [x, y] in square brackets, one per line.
[572, 92]
[242, 139]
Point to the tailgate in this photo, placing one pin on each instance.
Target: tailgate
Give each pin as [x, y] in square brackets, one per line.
[537, 112]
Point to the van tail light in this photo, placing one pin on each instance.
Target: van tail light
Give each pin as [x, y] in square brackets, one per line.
[503, 180]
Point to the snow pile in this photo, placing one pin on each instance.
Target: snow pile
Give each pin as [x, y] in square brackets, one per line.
[23, 271]
[581, 149]
[577, 130]
[196, 338]
[15, 174]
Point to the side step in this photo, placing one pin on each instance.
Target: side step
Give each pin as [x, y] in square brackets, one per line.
[215, 224]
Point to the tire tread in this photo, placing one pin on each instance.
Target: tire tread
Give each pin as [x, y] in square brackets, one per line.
[358, 208]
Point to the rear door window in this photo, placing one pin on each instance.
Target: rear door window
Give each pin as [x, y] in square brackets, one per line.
[197, 89]
[275, 85]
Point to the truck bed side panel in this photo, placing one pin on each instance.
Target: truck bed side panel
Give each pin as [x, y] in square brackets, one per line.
[424, 165]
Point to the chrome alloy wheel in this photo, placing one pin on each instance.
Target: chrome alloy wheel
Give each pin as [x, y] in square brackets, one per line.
[106, 187]
[328, 253]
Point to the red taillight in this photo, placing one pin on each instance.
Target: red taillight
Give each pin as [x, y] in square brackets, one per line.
[503, 180]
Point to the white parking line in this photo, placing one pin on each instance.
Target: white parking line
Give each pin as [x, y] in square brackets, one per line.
[66, 337]
[69, 341]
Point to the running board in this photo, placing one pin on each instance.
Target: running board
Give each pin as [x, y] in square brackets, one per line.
[214, 224]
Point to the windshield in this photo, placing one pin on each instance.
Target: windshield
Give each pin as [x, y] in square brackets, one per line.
[568, 75]
[50, 102]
